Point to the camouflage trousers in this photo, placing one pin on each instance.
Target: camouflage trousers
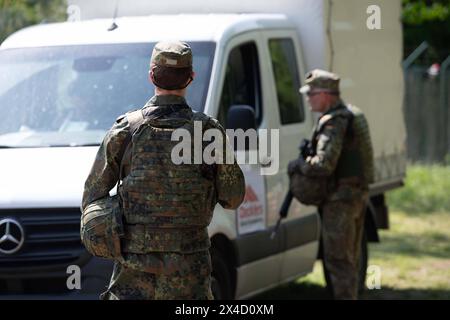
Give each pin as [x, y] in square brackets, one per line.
[342, 229]
[161, 276]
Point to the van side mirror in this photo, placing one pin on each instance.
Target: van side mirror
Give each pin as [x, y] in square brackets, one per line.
[241, 116]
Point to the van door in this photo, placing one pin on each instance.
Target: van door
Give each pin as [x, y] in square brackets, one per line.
[243, 83]
[301, 228]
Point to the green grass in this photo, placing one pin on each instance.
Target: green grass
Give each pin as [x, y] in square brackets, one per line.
[413, 256]
[426, 190]
[414, 259]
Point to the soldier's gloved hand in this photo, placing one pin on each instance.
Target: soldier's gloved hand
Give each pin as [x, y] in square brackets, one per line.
[294, 165]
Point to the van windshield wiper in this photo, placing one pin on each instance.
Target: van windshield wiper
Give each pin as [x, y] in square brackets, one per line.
[96, 144]
[21, 147]
[52, 146]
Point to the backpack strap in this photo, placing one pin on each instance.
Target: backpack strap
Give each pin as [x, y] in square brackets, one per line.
[135, 119]
[350, 131]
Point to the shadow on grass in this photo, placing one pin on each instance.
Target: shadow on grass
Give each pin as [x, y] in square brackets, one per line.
[312, 291]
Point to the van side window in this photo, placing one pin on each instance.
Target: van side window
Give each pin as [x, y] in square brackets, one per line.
[287, 80]
[242, 82]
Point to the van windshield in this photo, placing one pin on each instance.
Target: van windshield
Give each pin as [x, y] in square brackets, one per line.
[71, 95]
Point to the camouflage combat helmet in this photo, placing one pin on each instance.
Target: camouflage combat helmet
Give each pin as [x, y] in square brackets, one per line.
[101, 228]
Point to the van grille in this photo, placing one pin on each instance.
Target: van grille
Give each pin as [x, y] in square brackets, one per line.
[52, 237]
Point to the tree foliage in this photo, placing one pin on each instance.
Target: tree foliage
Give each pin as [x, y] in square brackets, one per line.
[17, 14]
[419, 12]
[425, 20]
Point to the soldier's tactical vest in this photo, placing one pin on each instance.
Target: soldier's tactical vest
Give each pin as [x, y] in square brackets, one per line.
[356, 159]
[167, 207]
[355, 165]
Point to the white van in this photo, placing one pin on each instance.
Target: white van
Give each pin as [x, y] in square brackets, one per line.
[63, 85]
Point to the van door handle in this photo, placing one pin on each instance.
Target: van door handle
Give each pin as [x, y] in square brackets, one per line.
[266, 162]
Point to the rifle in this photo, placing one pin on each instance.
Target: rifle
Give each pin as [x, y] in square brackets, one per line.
[305, 150]
[283, 212]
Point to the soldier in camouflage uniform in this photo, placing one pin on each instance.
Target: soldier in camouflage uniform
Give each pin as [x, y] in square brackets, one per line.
[342, 154]
[166, 207]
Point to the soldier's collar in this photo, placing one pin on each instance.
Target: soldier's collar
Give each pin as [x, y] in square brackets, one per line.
[163, 100]
[337, 105]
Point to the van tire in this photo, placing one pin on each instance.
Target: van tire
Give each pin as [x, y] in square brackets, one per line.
[362, 272]
[220, 277]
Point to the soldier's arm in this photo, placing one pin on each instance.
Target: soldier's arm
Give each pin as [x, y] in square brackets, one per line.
[230, 182]
[104, 173]
[328, 149]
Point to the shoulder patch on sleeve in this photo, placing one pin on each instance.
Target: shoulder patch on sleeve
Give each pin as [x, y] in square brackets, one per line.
[323, 120]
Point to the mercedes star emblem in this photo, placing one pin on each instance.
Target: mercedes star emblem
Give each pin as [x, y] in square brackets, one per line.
[12, 236]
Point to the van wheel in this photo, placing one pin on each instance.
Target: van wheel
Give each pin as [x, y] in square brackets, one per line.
[362, 272]
[220, 278]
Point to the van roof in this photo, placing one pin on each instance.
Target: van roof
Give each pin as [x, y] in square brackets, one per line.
[186, 27]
